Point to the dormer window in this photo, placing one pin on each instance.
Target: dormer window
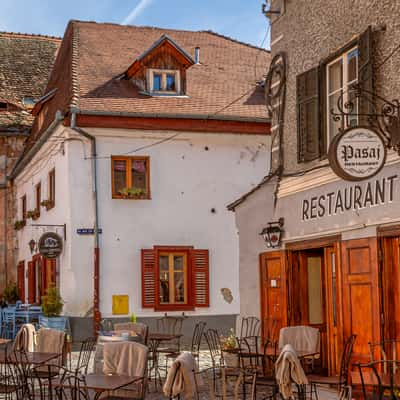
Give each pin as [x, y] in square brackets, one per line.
[164, 81]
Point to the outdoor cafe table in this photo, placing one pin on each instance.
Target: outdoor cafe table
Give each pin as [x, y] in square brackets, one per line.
[28, 357]
[105, 383]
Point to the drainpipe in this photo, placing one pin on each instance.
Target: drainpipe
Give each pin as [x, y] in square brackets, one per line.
[96, 275]
[5, 220]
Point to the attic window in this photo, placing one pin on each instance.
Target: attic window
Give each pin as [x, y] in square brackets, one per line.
[164, 82]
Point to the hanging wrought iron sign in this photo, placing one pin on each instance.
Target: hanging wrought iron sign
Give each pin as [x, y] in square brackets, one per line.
[357, 153]
[50, 245]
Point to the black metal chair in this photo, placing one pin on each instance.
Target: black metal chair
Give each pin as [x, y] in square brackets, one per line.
[12, 382]
[386, 384]
[250, 326]
[343, 378]
[71, 386]
[87, 348]
[171, 325]
[384, 350]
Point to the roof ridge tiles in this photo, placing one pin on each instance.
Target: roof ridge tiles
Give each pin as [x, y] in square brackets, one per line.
[234, 40]
[74, 68]
[30, 36]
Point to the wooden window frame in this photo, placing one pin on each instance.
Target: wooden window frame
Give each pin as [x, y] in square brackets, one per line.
[128, 177]
[345, 84]
[162, 250]
[23, 207]
[164, 73]
[51, 188]
[38, 197]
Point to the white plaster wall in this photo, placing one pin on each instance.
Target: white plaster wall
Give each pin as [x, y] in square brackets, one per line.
[186, 182]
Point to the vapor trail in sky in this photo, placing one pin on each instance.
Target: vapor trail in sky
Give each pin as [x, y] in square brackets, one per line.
[137, 10]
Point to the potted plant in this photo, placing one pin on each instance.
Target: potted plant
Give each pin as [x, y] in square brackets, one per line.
[10, 293]
[229, 349]
[19, 224]
[34, 214]
[48, 204]
[133, 193]
[52, 305]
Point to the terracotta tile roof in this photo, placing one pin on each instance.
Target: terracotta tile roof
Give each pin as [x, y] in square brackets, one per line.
[93, 56]
[25, 65]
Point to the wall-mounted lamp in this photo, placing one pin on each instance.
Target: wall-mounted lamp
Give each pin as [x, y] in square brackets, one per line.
[32, 246]
[273, 232]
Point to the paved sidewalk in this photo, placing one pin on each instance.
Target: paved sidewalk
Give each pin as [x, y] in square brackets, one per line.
[324, 393]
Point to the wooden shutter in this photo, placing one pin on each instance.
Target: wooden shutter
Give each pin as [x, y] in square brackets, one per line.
[365, 74]
[308, 126]
[148, 278]
[53, 272]
[360, 282]
[274, 307]
[31, 283]
[200, 277]
[21, 280]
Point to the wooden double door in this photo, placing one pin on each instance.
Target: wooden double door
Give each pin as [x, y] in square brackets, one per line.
[332, 286]
[42, 273]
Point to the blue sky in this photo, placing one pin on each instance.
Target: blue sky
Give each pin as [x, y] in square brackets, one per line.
[240, 19]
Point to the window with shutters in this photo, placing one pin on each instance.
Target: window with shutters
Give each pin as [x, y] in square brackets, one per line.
[175, 278]
[341, 74]
[319, 89]
[130, 177]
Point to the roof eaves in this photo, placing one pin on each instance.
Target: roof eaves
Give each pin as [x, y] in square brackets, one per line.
[175, 115]
[240, 200]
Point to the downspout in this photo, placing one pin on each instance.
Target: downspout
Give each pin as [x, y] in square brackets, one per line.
[5, 222]
[96, 275]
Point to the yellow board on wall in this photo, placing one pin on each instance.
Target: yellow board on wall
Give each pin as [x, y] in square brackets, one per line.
[120, 304]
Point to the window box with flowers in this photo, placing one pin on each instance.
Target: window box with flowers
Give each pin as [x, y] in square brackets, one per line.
[133, 193]
[48, 204]
[34, 214]
[19, 224]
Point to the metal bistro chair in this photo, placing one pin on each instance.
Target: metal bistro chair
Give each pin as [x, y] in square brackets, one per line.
[384, 350]
[343, 378]
[87, 348]
[171, 325]
[250, 326]
[12, 383]
[386, 384]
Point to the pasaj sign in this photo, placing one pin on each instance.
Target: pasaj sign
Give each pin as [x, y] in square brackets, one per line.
[357, 154]
[50, 245]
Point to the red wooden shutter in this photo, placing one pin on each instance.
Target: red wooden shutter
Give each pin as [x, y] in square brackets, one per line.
[21, 280]
[148, 278]
[31, 283]
[200, 276]
[53, 272]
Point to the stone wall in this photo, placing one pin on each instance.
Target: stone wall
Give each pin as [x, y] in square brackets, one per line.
[310, 31]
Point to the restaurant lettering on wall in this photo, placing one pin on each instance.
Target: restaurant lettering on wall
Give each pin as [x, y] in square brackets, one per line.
[350, 198]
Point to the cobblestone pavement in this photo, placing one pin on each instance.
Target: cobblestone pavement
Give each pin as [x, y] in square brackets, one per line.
[324, 393]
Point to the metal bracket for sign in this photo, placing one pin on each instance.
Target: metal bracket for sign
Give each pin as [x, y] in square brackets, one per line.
[385, 117]
[64, 226]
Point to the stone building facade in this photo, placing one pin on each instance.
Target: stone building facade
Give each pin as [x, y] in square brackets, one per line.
[337, 266]
[25, 62]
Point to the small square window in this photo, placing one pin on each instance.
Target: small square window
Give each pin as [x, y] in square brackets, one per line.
[130, 177]
[164, 82]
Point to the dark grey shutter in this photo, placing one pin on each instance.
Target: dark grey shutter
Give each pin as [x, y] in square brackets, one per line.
[365, 74]
[308, 126]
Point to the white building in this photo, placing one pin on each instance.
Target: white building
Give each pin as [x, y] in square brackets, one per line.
[147, 138]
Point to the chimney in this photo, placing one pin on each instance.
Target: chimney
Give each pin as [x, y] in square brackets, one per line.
[197, 55]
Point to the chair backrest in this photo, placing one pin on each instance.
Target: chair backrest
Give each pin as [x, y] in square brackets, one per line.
[214, 345]
[85, 353]
[384, 350]
[345, 360]
[250, 326]
[171, 325]
[125, 358]
[301, 338]
[51, 341]
[271, 329]
[72, 386]
[197, 336]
